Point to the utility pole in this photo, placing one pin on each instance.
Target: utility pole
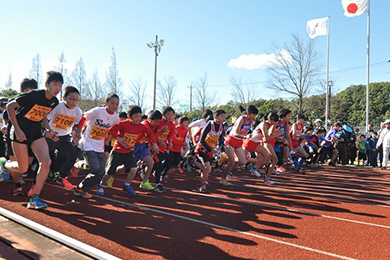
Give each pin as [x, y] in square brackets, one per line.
[190, 87]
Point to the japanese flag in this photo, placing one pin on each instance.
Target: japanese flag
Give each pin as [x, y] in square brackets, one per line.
[354, 8]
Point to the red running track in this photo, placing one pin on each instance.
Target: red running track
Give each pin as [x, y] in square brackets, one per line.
[327, 213]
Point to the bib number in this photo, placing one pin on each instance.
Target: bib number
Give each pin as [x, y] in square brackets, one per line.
[163, 137]
[212, 140]
[130, 139]
[98, 133]
[63, 122]
[37, 113]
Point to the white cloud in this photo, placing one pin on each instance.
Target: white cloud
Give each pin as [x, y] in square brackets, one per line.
[259, 61]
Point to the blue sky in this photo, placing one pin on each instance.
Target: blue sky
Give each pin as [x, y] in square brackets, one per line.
[200, 37]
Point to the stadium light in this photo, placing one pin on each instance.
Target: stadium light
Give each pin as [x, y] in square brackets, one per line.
[157, 49]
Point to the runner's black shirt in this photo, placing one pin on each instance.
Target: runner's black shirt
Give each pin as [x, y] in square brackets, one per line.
[33, 107]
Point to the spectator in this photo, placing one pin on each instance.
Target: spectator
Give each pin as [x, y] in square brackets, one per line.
[373, 152]
[384, 140]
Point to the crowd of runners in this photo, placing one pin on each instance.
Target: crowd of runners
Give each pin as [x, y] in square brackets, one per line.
[56, 140]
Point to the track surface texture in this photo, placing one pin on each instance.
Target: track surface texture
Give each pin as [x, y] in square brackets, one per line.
[327, 213]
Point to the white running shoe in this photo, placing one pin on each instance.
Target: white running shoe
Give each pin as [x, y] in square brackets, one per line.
[255, 172]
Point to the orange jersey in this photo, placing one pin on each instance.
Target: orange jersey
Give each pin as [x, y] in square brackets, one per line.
[178, 138]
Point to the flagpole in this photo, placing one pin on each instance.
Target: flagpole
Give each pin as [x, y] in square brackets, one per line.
[368, 65]
[327, 81]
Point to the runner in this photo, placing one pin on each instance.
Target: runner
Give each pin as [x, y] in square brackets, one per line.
[127, 133]
[234, 140]
[210, 137]
[98, 121]
[62, 120]
[283, 141]
[32, 109]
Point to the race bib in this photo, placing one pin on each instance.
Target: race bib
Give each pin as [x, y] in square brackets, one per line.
[163, 137]
[37, 113]
[63, 122]
[98, 133]
[212, 140]
[180, 139]
[130, 139]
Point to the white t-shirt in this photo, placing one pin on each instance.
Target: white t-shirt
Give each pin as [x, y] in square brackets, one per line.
[196, 125]
[62, 119]
[98, 123]
[1, 119]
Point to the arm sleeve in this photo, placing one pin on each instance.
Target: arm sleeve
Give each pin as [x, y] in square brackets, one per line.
[115, 129]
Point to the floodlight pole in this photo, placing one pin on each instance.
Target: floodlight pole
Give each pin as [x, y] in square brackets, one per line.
[157, 48]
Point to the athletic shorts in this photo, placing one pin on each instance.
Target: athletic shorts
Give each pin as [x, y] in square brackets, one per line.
[251, 145]
[236, 143]
[107, 148]
[140, 151]
[117, 159]
[362, 156]
[31, 134]
[203, 157]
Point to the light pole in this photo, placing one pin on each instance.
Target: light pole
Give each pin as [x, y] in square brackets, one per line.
[190, 87]
[157, 48]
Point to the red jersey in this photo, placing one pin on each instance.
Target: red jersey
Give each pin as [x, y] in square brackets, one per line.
[165, 136]
[132, 133]
[178, 138]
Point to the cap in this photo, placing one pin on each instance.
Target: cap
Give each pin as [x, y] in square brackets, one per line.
[307, 129]
[387, 121]
[318, 120]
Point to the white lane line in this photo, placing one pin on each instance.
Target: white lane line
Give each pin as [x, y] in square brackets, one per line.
[71, 242]
[226, 228]
[283, 208]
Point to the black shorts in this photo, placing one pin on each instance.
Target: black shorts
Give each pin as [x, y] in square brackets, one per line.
[31, 134]
[116, 159]
[203, 157]
[107, 148]
[362, 156]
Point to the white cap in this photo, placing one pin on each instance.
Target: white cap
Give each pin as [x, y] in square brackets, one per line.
[318, 120]
[387, 121]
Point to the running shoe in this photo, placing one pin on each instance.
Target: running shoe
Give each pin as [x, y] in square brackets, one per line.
[100, 190]
[4, 173]
[229, 176]
[109, 182]
[31, 191]
[281, 169]
[225, 182]
[50, 176]
[80, 193]
[301, 171]
[36, 203]
[255, 172]
[276, 172]
[181, 170]
[207, 184]
[146, 185]
[159, 188]
[57, 178]
[142, 175]
[316, 165]
[18, 192]
[67, 184]
[189, 169]
[268, 182]
[128, 189]
[203, 188]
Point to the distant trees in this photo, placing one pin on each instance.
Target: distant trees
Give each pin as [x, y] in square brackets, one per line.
[113, 81]
[36, 69]
[8, 84]
[167, 91]
[203, 96]
[243, 93]
[295, 69]
[137, 93]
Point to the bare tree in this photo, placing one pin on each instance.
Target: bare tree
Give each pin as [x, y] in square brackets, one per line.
[167, 91]
[295, 69]
[243, 93]
[8, 84]
[79, 79]
[96, 89]
[137, 92]
[61, 68]
[36, 70]
[202, 94]
[113, 81]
